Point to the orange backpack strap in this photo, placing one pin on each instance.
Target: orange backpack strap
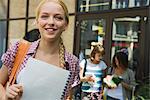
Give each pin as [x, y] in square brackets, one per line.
[21, 53]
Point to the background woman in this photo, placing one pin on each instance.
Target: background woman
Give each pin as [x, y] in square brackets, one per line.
[95, 66]
[120, 68]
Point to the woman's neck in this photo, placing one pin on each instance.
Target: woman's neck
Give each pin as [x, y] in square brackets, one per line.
[95, 61]
[49, 47]
[120, 70]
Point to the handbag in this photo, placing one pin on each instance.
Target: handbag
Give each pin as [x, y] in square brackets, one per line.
[21, 53]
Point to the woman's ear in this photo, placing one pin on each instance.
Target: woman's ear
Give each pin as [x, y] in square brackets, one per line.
[65, 26]
[116, 61]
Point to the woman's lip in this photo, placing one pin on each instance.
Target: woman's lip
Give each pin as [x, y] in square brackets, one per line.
[50, 30]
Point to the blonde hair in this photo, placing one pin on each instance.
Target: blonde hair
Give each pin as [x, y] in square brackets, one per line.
[97, 49]
[60, 2]
[61, 45]
[62, 53]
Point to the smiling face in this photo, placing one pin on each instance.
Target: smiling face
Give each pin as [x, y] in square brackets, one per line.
[51, 20]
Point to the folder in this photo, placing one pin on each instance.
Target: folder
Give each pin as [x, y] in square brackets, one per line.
[43, 81]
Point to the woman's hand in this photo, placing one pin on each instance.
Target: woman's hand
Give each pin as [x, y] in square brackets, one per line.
[89, 78]
[111, 87]
[13, 91]
[125, 85]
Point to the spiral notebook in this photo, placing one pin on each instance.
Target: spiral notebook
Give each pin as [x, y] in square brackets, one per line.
[42, 81]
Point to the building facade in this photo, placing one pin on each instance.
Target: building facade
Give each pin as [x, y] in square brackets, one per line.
[115, 24]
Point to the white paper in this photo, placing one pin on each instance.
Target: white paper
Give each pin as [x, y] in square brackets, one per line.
[116, 92]
[42, 81]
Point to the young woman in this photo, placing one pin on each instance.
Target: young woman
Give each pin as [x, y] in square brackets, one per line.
[92, 81]
[52, 20]
[120, 68]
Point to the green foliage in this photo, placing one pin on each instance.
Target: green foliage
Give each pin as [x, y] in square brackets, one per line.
[143, 91]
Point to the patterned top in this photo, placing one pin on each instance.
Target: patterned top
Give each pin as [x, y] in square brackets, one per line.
[72, 62]
[96, 70]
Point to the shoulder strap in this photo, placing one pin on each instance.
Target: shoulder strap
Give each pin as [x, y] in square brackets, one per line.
[22, 50]
[110, 70]
[84, 67]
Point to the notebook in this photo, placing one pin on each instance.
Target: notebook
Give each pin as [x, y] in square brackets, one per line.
[42, 81]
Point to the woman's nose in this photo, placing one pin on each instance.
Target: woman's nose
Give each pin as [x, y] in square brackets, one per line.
[51, 21]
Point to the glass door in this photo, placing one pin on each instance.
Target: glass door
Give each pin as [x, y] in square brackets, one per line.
[125, 37]
[92, 32]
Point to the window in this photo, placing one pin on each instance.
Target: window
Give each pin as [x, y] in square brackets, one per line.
[100, 5]
[126, 36]
[119, 4]
[3, 26]
[93, 5]
[2, 38]
[92, 32]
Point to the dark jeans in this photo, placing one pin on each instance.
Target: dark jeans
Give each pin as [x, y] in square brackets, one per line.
[77, 92]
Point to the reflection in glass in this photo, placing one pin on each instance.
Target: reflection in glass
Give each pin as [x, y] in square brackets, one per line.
[92, 32]
[2, 38]
[3, 9]
[126, 36]
[118, 4]
[99, 5]
[146, 2]
[93, 5]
